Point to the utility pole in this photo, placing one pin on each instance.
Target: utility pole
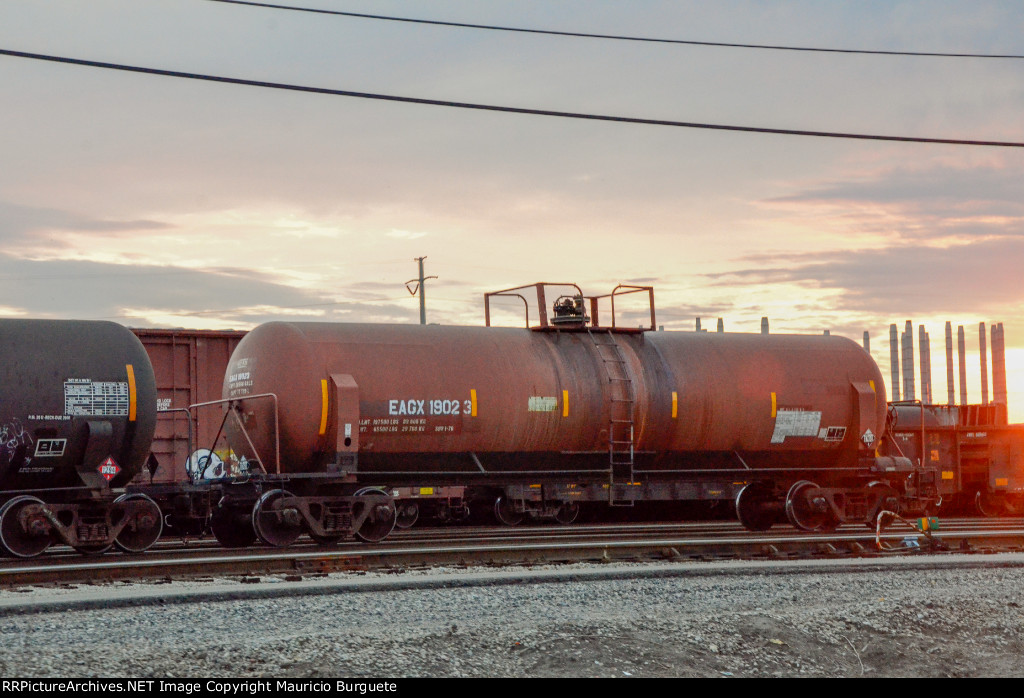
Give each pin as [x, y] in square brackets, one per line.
[419, 288]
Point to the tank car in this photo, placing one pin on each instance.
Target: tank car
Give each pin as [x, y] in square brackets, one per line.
[77, 413]
[333, 416]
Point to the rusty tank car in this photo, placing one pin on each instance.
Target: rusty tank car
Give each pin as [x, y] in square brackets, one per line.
[331, 417]
[77, 413]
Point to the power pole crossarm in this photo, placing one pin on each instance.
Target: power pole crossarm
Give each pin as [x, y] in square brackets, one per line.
[419, 288]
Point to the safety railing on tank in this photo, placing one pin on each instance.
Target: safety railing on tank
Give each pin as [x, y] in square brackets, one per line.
[579, 300]
[233, 406]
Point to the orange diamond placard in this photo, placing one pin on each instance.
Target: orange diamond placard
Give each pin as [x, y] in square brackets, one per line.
[109, 469]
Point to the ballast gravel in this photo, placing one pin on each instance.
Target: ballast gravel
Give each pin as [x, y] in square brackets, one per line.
[721, 620]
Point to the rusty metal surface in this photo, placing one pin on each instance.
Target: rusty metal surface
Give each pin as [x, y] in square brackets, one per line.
[523, 400]
[189, 368]
[73, 394]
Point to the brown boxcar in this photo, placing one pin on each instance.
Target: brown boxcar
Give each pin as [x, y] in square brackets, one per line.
[189, 368]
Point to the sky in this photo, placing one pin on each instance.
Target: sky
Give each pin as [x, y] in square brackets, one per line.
[163, 202]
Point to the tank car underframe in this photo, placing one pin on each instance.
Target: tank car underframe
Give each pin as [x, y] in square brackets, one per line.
[762, 497]
[29, 525]
[810, 507]
[187, 508]
[278, 509]
[759, 503]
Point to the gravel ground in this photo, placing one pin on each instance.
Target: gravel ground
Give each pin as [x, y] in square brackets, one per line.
[716, 620]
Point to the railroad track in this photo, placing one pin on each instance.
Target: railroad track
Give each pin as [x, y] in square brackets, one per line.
[464, 547]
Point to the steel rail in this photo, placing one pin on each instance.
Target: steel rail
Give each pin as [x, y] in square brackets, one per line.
[304, 560]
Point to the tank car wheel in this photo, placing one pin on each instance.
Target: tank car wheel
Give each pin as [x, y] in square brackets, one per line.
[754, 507]
[407, 515]
[567, 513]
[275, 523]
[23, 538]
[145, 527]
[803, 514]
[505, 514]
[381, 519]
[231, 531]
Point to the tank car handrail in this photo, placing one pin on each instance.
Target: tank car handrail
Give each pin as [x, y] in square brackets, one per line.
[478, 463]
[620, 290]
[38, 490]
[617, 292]
[419, 473]
[705, 471]
[541, 302]
[740, 459]
[487, 305]
[604, 471]
[277, 434]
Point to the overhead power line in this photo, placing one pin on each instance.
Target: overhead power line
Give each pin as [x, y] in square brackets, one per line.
[497, 108]
[617, 37]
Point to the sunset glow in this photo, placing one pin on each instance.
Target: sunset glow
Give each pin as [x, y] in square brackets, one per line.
[157, 201]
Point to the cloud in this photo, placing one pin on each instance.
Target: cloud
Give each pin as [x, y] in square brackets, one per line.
[911, 279]
[91, 290]
[916, 187]
[927, 201]
[406, 234]
[22, 223]
[955, 234]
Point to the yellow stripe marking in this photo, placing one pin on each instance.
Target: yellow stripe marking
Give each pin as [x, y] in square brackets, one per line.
[472, 402]
[132, 395]
[774, 406]
[323, 408]
[675, 404]
[565, 403]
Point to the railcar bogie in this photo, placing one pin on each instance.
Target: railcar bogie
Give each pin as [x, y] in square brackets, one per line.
[143, 523]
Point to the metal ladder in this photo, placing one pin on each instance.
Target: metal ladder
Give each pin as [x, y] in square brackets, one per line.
[621, 401]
